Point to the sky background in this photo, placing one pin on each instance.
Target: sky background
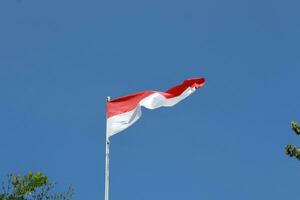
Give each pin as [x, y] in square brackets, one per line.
[59, 60]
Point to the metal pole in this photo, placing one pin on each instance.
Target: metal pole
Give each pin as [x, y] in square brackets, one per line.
[107, 170]
[107, 144]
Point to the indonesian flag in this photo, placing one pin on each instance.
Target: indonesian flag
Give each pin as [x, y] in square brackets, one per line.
[124, 111]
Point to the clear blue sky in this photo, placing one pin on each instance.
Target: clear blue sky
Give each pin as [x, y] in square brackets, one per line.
[60, 59]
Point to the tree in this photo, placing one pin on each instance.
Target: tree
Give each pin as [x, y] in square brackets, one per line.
[291, 149]
[33, 186]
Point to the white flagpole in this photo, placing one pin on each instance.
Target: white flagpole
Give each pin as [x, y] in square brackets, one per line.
[107, 143]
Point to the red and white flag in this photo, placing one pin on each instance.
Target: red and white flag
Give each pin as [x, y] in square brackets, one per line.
[124, 111]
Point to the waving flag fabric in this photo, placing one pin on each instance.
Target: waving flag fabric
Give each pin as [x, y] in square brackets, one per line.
[124, 111]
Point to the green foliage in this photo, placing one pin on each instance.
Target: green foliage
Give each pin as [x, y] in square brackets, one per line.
[31, 187]
[290, 149]
[25, 185]
[295, 127]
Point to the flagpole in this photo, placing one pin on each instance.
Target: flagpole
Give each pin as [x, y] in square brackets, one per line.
[107, 144]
